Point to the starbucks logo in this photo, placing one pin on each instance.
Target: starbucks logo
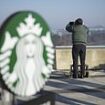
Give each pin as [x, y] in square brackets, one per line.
[26, 53]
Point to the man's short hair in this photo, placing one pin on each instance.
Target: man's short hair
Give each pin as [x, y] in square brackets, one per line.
[79, 21]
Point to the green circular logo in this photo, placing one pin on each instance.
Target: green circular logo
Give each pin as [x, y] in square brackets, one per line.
[26, 53]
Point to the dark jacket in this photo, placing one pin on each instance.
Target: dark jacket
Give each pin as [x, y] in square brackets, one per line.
[79, 33]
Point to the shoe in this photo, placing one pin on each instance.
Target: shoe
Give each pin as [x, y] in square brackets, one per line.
[75, 76]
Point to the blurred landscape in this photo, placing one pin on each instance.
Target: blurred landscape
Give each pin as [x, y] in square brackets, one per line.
[63, 38]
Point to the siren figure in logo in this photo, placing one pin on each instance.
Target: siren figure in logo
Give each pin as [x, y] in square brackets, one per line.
[29, 66]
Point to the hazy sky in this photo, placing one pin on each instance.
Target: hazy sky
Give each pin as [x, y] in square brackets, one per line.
[58, 12]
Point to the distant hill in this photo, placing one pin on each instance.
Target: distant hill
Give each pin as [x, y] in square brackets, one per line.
[96, 37]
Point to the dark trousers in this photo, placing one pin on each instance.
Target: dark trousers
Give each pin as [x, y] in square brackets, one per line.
[78, 50]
